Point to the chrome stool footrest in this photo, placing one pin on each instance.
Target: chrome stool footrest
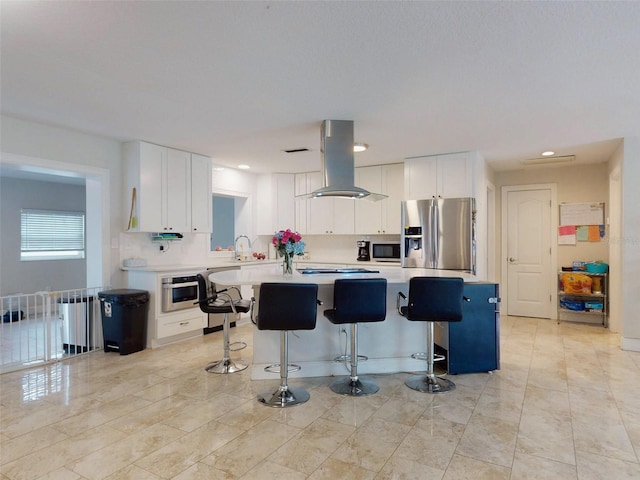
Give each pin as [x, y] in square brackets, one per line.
[347, 358]
[275, 368]
[424, 356]
[235, 349]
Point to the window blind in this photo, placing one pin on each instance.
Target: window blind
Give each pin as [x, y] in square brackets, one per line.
[52, 234]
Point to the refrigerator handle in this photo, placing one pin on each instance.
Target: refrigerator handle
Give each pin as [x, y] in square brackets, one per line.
[435, 225]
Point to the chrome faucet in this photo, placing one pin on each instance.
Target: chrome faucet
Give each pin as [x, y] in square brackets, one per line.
[239, 253]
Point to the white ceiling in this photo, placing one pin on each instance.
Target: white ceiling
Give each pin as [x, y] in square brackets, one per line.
[242, 81]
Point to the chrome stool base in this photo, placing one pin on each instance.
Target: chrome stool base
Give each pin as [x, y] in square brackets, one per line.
[284, 397]
[429, 384]
[353, 388]
[226, 365]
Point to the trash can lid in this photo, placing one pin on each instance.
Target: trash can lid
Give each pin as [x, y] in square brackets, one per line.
[75, 299]
[124, 295]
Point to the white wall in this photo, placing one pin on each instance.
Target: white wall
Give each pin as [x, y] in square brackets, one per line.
[630, 243]
[584, 184]
[17, 276]
[615, 245]
[52, 148]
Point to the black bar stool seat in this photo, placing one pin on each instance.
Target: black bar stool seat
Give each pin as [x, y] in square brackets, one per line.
[432, 299]
[284, 307]
[221, 301]
[357, 300]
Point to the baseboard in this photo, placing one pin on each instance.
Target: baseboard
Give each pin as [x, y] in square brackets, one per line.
[631, 344]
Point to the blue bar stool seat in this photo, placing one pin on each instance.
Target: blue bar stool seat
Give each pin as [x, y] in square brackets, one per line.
[284, 307]
[355, 301]
[212, 301]
[432, 299]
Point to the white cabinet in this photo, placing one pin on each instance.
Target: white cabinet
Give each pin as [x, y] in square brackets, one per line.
[447, 176]
[201, 215]
[328, 215]
[301, 204]
[163, 328]
[321, 216]
[173, 189]
[176, 190]
[276, 206]
[381, 217]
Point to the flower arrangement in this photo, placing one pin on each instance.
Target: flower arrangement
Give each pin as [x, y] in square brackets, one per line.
[288, 244]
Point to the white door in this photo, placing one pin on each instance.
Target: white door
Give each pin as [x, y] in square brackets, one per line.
[528, 241]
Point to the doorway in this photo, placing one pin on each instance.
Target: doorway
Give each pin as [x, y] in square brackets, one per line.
[528, 250]
[97, 206]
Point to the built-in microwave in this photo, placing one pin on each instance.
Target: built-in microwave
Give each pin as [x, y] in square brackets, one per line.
[179, 292]
[385, 252]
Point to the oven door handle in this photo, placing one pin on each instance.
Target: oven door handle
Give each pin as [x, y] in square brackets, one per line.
[171, 286]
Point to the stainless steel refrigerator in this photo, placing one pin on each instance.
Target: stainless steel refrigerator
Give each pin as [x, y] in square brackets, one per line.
[439, 233]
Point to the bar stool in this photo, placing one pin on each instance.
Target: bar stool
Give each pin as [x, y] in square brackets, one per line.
[432, 299]
[356, 300]
[284, 307]
[212, 301]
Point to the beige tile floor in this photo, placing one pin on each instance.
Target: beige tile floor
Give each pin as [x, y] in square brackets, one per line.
[566, 404]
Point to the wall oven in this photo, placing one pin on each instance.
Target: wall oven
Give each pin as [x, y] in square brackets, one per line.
[179, 293]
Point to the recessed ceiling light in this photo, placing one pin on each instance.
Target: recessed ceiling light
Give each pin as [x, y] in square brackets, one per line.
[548, 153]
[244, 167]
[360, 147]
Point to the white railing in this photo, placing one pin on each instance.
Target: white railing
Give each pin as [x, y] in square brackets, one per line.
[46, 327]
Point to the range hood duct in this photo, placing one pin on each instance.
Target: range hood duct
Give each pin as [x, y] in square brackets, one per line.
[336, 146]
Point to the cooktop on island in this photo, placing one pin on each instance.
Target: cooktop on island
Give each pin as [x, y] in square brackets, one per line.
[311, 271]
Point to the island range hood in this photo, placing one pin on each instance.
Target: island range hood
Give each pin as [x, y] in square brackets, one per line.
[336, 146]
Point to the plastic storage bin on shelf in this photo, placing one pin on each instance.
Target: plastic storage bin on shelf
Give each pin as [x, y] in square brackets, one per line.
[124, 319]
[78, 323]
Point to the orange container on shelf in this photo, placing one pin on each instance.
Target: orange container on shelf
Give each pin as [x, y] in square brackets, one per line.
[576, 283]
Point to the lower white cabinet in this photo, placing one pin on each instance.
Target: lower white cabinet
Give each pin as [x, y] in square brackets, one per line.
[163, 328]
[186, 321]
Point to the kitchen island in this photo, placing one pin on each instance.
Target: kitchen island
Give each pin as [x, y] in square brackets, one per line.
[388, 344]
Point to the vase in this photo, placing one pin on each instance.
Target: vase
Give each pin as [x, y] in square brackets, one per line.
[287, 263]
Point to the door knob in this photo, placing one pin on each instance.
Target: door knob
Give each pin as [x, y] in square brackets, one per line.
[512, 260]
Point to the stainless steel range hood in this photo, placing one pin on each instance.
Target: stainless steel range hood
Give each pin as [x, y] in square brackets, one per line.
[338, 164]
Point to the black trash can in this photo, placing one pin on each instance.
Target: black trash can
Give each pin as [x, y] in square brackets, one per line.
[124, 319]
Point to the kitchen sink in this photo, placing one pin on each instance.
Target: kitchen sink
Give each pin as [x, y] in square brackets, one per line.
[312, 271]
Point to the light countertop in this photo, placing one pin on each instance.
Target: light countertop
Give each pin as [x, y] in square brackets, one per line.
[394, 275]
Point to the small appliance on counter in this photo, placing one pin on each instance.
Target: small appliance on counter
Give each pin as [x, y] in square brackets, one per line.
[386, 251]
[364, 250]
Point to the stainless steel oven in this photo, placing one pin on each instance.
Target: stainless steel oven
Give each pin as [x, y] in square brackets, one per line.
[179, 293]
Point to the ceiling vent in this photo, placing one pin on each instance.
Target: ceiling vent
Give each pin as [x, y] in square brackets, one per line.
[296, 150]
[548, 160]
[336, 146]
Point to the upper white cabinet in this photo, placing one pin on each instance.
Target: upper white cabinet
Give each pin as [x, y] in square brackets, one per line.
[301, 205]
[173, 190]
[381, 217]
[276, 207]
[447, 176]
[321, 216]
[201, 214]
